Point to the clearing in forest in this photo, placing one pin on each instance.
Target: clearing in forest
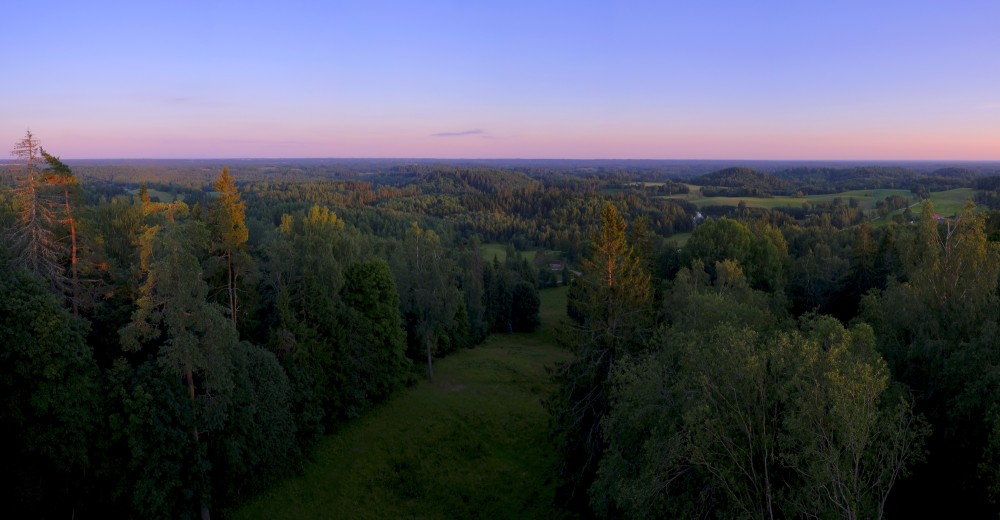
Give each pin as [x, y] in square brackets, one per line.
[473, 444]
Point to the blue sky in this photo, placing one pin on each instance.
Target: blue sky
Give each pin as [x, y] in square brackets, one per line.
[671, 80]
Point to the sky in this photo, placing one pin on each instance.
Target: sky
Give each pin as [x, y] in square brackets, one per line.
[695, 79]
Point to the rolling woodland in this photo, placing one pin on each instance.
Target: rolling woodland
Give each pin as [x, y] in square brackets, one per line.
[757, 340]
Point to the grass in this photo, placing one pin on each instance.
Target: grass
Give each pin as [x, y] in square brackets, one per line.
[951, 202]
[473, 444]
[491, 249]
[679, 239]
[866, 198]
[946, 203]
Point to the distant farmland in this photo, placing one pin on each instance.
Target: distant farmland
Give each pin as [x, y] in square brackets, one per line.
[945, 202]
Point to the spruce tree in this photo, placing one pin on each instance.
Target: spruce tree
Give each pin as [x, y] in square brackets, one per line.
[612, 301]
[227, 222]
[33, 242]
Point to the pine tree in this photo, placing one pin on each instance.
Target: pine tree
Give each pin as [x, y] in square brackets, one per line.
[57, 173]
[192, 335]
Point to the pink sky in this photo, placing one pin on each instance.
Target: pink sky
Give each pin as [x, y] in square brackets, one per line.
[849, 80]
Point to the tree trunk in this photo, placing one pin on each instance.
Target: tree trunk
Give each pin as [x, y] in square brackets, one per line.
[72, 262]
[189, 376]
[231, 282]
[430, 359]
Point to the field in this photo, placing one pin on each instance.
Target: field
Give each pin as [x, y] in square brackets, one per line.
[951, 202]
[491, 249]
[946, 203]
[866, 198]
[679, 239]
[472, 444]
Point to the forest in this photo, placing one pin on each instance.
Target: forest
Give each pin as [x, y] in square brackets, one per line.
[753, 340]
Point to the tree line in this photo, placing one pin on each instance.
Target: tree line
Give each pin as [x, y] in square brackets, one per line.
[800, 370]
[166, 359]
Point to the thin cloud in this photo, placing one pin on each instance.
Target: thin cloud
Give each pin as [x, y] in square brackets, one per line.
[188, 101]
[460, 134]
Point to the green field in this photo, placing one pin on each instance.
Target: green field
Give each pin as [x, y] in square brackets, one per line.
[946, 203]
[498, 250]
[473, 444]
[491, 249]
[866, 198]
[679, 239]
[951, 202]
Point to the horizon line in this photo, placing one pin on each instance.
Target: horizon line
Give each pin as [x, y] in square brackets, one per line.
[446, 159]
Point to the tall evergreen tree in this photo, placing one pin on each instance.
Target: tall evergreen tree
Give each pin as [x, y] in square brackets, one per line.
[227, 222]
[191, 335]
[57, 173]
[33, 242]
[375, 341]
[615, 318]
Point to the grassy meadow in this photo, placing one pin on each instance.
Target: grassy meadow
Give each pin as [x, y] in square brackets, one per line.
[946, 203]
[491, 249]
[679, 239]
[472, 444]
[951, 202]
[495, 249]
[866, 198]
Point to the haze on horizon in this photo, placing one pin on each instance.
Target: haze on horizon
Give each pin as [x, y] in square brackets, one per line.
[774, 80]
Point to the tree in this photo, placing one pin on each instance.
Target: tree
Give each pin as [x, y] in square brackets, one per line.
[524, 307]
[49, 400]
[937, 329]
[306, 263]
[57, 173]
[851, 433]
[257, 443]
[719, 239]
[227, 221]
[618, 288]
[429, 298]
[613, 301]
[474, 290]
[497, 295]
[155, 466]
[191, 335]
[722, 421]
[32, 240]
[374, 337]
